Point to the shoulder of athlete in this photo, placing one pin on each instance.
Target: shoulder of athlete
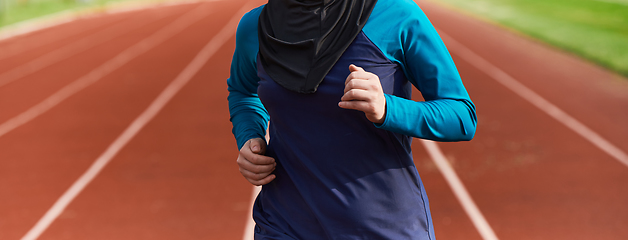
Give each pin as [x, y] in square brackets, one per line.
[247, 28]
[397, 15]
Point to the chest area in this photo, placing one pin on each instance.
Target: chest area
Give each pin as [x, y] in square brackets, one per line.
[361, 52]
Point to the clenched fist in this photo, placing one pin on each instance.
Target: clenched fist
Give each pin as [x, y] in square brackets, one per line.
[363, 92]
[254, 166]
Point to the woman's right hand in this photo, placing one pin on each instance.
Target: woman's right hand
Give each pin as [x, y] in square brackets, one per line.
[254, 166]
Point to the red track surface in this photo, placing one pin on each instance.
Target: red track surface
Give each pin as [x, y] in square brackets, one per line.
[531, 177]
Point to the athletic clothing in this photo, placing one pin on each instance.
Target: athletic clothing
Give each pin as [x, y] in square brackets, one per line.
[301, 40]
[340, 176]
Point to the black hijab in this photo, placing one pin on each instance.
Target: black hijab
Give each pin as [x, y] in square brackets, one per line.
[301, 40]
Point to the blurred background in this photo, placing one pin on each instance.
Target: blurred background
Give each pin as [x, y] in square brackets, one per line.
[14, 11]
[594, 29]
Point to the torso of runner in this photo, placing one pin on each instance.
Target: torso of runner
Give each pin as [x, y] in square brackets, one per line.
[340, 176]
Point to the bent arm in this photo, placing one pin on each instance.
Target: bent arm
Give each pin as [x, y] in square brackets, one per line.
[247, 114]
[447, 114]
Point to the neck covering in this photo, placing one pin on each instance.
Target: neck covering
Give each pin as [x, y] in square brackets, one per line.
[301, 40]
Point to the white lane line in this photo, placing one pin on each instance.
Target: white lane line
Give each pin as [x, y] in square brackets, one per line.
[536, 99]
[459, 190]
[77, 47]
[44, 22]
[49, 37]
[164, 97]
[56, 19]
[113, 64]
[249, 228]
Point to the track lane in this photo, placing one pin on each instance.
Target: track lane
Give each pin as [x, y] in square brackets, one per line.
[146, 116]
[460, 191]
[76, 47]
[23, 44]
[174, 179]
[595, 96]
[527, 185]
[23, 94]
[64, 148]
[531, 176]
[20, 50]
[449, 218]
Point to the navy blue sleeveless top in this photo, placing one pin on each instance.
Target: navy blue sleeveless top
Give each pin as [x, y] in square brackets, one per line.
[337, 173]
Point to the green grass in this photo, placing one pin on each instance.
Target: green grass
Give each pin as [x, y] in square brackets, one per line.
[13, 11]
[594, 29]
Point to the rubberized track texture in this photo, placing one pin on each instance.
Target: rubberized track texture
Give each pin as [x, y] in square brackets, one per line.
[117, 127]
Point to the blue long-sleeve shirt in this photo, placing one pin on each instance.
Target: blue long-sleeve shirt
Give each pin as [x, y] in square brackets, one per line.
[340, 176]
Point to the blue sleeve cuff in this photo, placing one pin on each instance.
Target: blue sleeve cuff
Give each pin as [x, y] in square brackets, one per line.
[385, 124]
[439, 120]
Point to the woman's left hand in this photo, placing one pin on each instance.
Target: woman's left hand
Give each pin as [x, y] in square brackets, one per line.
[363, 92]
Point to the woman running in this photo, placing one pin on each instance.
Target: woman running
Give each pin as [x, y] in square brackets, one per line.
[334, 79]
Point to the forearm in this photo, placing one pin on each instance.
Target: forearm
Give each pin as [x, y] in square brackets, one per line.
[440, 120]
[248, 117]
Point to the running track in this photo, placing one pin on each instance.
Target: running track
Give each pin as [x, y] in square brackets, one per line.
[143, 94]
